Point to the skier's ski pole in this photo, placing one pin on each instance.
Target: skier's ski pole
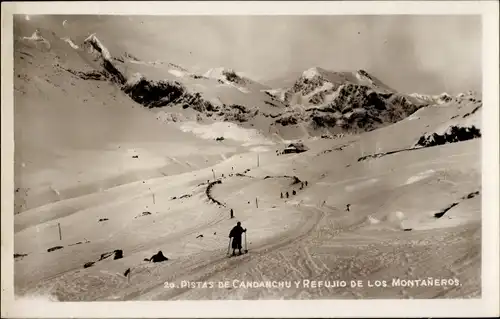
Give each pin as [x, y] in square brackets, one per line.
[246, 248]
[229, 246]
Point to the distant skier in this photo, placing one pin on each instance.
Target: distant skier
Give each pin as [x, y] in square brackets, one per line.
[348, 207]
[236, 233]
[232, 213]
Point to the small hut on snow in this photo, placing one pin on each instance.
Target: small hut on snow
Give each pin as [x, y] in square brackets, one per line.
[295, 148]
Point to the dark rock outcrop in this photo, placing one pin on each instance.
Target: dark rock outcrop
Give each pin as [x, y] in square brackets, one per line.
[158, 257]
[105, 255]
[108, 67]
[441, 213]
[89, 75]
[290, 119]
[77, 243]
[452, 135]
[473, 111]
[118, 254]
[236, 113]
[19, 256]
[146, 92]
[231, 76]
[471, 195]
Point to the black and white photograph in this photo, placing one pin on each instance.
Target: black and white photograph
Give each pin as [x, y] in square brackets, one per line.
[249, 157]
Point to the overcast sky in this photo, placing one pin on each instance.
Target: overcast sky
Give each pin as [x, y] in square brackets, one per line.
[426, 54]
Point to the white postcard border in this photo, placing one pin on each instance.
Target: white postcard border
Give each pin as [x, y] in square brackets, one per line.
[486, 306]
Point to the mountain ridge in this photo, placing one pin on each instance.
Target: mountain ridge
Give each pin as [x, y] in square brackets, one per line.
[326, 100]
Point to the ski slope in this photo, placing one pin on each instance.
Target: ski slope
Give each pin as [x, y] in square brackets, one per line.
[309, 236]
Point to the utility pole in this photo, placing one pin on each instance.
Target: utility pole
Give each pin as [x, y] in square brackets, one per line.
[60, 234]
[256, 202]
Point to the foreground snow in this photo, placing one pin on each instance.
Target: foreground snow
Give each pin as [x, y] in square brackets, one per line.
[307, 237]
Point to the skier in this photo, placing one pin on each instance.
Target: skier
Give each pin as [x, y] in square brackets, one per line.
[236, 233]
[232, 213]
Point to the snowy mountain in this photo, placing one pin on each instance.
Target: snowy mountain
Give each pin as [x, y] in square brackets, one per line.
[226, 75]
[326, 102]
[233, 78]
[444, 97]
[317, 85]
[320, 101]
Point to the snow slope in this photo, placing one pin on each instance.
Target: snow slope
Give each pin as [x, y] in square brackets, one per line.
[116, 175]
[71, 133]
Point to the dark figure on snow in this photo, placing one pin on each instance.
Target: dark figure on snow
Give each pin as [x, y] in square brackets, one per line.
[294, 192]
[287, 195]
[232, 213]
[348, 207]
[236, 233]
[281, 196]
[159, 257]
